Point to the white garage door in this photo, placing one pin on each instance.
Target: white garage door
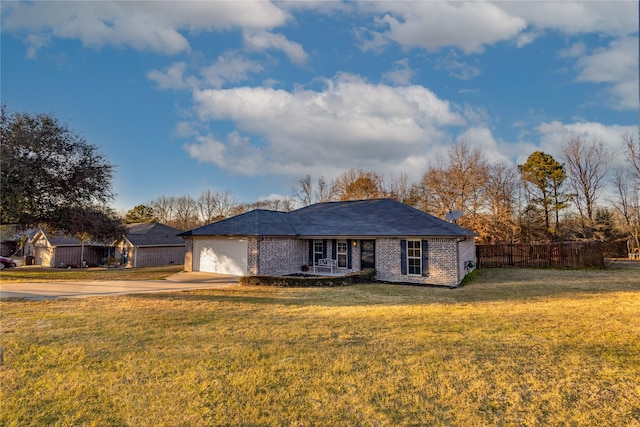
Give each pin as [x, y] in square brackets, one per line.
[226, 256]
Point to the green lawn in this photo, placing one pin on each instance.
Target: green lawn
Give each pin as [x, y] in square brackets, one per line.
[513, 347]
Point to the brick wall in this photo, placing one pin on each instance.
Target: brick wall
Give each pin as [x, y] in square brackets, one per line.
[188, 254]
[281, 255]
[466, 252]
[252, 256]
[443, 262]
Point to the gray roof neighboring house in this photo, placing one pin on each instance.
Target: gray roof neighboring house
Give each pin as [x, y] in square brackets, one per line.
[153, 234]
[56, 239]
[363, 218]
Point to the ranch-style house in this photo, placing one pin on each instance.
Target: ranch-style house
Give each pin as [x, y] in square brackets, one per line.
[403, 244]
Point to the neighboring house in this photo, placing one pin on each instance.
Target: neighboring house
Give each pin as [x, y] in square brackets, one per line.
[54, 250]
[150, 244]
[403, 244]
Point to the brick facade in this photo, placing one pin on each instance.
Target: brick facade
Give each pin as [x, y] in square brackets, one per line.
[281, 255]
[466, 253]
[442, 260]
[188, 255]
[286, 255]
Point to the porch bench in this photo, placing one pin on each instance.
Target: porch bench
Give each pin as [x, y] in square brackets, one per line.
[325, 263]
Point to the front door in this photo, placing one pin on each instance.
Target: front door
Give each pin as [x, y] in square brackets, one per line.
[367, 254]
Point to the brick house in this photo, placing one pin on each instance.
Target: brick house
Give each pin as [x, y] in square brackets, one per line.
[149, 244]
[403, 244]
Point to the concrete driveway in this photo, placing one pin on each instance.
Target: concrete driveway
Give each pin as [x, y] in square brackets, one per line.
[177, 282]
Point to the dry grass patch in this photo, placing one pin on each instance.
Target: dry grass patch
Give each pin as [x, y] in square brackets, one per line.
[514, 347]
[36, 274]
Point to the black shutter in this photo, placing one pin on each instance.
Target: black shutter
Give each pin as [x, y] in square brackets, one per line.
[334, 249]
[324, 249]
[403, 257]
[311, 253]
[425, 258]
[349, 266]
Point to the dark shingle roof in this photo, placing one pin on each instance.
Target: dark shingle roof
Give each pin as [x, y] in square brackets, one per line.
[153, 234]
[61, 240]
[258, 222]
[379, 217]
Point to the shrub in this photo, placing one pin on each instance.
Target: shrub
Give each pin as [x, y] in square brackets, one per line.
[365, 276]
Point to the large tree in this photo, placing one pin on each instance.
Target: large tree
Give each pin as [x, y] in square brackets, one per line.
[358, 184]
[501, 192]
[456, 184]
[627, 183]
[48, 172]
[587, 164]
[139, 214]
[214, 206]
[543, 177]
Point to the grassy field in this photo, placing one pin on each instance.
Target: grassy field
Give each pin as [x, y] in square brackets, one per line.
[38, 274]
[513, 347]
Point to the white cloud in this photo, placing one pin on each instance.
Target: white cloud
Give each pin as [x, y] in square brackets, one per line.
[236, 154]
[616, 66]
[527, 37]
[554, 134]
[154, 26]
[432, 25]
[471, 26]
[264, 40]
[351, 123]
[232, 67]
[172, 78]
[616, 18]
[401, 74]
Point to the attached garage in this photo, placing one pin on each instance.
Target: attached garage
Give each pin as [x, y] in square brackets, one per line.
[225, 256]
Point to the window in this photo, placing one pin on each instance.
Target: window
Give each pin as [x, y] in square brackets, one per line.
[318, 251]
[342, 253]
[414, 257]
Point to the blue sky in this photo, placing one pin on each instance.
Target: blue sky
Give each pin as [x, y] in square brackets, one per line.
[251, 96]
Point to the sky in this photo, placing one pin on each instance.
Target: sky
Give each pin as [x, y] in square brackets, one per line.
[249, 97]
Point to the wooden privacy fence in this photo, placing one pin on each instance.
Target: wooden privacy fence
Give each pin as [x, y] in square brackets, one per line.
[563, 254]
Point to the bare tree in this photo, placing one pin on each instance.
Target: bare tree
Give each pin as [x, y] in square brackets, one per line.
[186, 214]
[282, 205]
[215, 206]
[627, 183]
[457, 183]
[164, 208]
[324, 192]
[206, 206]
[304, 191]
[400, 189]
[502, 189]
[586, 164]
[632, 153]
